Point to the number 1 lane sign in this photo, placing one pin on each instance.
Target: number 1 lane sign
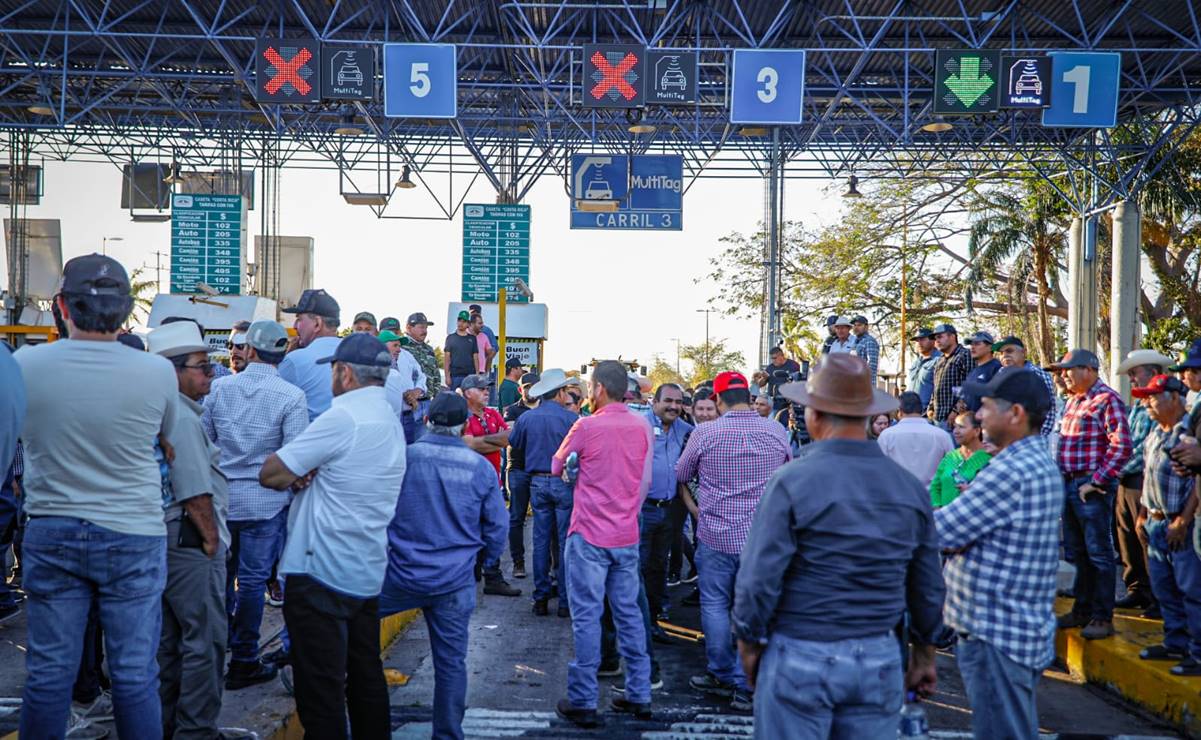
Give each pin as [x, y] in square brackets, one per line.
[420, 81]
[1084, 89]
[768, 86]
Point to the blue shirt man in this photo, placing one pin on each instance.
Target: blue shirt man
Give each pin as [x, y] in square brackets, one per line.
[317, 334]
[12, 406]
[670, 434]
[447, 511]
[537, 436]
[921, 375]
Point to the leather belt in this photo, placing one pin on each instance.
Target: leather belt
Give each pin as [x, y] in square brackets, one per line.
[1159, 515]
[657, 503]
[544, 475]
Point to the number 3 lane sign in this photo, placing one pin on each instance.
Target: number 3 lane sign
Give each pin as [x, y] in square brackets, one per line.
[1084, 89]
[768, 86]
[419, 81]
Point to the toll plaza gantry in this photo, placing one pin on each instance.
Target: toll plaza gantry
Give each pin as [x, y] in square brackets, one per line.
[1090, 95]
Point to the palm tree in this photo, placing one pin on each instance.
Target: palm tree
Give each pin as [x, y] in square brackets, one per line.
[143, 289]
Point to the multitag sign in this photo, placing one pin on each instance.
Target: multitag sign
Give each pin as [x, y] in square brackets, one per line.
[646, 189]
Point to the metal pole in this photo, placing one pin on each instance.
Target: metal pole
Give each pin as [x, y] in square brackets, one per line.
[773, 312]
[501, 296]
[904, 293]
[1124, 286]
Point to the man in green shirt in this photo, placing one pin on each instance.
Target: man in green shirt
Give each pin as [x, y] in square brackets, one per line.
[510, 391]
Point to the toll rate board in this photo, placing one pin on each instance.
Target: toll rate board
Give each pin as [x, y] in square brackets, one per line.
[496, 250]
[208, 242]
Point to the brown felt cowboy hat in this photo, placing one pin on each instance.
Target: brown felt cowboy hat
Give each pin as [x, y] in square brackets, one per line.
[841, 384]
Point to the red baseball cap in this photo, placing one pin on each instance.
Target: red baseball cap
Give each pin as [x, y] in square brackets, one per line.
[1159, 384]
[727, 380]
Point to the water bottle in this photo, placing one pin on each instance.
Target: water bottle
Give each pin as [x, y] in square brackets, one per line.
[572, 466]
[913, 720]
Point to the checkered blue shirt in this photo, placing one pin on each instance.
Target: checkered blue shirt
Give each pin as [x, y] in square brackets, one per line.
[1050, 424]
[1001, 586]
[1163, 490]
[868, 350]
[732, 458]
[249, 416]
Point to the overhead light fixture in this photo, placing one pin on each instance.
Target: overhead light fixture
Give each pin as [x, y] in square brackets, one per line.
[149, 218]
[753, 131]
[406, 181]
[40, 110]
[347, 126]
[366, 199]
[596, 206]
[852, 190]
[637, 124]
[937, 126]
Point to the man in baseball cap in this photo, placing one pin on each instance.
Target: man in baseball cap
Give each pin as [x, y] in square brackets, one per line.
[866, 346]
[1094, 445]
[1012, 351]
[980, 346]
[364, 321]
[1005, 650]
[1189, 368]
[416, 332]
[921, 374]
[950, 373]
[510, 390]
[317, 316]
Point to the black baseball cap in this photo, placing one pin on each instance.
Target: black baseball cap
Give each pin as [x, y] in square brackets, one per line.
[1077, 358]
[923, 332]
[94, 274]
[860, 319]
[944, 329]
[831, 319]
[472, 381]
[475, 308]
[447, 409]
[390, 323]
[982, 336]
[360, 349]
[419, 318]
[364, 316]
[998, 346]
[316, 302]
[529, 379]
[513, 362]
[1019, 385]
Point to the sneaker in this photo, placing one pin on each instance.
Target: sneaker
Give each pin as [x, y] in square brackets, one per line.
[707, 683]
[519, 570]
[248, 673]
[608, 670]
[540, 608]
[1070, 620]
[690, 578]
[673, 580]
[496, 585]
[586, 718]
[98, 710]
[1097, 630]
[275, 594]
[84, 729]
[1134, 600]
[278, 657]
[9, 612]
[656, 683]
[625, 706]
[742, 702]
[1161, 652]
[1186, 667]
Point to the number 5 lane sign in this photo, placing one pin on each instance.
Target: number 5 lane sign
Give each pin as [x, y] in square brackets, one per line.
[420, 81]
[1084, 89]
[768, 86]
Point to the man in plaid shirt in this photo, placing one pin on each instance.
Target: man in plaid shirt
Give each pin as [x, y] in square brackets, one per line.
[1166, 524]
[732, 458]
[1012, 353]
[866, 345]
[1094, 444]
[950, 372]
[1003, 538]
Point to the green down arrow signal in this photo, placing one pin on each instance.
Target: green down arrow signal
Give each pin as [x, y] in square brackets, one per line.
[969, 85]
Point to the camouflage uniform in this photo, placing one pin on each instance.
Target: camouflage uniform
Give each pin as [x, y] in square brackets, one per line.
[424, 354]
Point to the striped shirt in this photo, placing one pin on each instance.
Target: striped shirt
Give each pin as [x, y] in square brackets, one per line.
[733, 458]
[248, 417]
[1163, 490]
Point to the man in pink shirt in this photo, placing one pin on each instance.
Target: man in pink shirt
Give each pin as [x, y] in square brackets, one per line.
[615, 450]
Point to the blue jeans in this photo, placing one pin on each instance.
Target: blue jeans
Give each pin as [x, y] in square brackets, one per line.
[718, 571]
[67, 562]
[848, 689]
[446, 617]
[1000, 691]
[519, 504]
[8, 517]
[1176, 583]
[1088, 532]
[252, 551]
[551, 499]
[592, 574]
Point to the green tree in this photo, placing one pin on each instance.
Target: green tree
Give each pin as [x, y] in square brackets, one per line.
[661, 371]
[143, 289]
[707, 359]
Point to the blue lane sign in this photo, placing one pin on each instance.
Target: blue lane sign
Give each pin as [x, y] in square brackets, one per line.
[420, 81]
[768, 86]
[1084, 89]
[648, 191]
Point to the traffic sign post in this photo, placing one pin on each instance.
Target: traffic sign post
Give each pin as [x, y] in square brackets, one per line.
[613, 75]
[671, 77]
[1025, 82]
[420, 81]
[966, 81]
[648, 190]
[768, 86]
[287, 71]
[1084, 89]
[208, 242]
[348, 73]
[496, 251]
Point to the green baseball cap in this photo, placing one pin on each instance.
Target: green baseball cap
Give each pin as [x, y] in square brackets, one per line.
[464, 316]
[388, 336]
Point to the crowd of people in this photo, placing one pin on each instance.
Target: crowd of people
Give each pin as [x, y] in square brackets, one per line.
[160, 499]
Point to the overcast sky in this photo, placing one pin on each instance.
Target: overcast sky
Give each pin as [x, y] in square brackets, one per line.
[608, 292]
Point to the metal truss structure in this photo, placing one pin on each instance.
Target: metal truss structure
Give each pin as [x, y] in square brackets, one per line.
[138, 80]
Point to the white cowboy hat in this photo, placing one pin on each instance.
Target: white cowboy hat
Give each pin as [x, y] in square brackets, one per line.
[173, 340]
[1141, 357]
[552, 380]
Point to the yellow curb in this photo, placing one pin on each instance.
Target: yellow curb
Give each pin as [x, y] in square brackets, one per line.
[1114, 664]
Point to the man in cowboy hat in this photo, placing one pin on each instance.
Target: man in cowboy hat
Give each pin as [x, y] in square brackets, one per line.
[843, 513]
[536, 437]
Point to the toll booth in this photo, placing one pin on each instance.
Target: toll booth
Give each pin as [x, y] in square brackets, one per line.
[525, 329]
